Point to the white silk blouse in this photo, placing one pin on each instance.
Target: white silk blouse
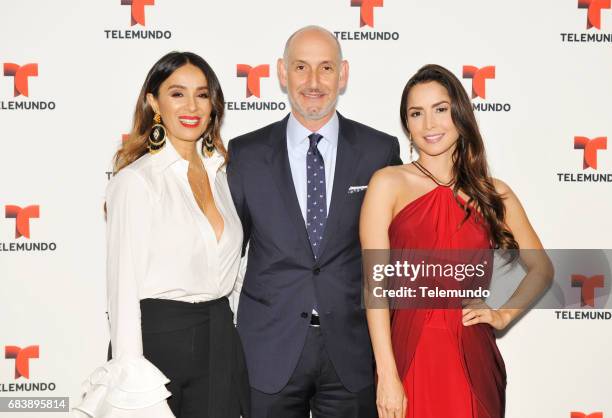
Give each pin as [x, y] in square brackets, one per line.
[159, 245]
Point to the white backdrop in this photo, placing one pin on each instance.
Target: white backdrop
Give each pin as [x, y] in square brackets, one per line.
[58, 159]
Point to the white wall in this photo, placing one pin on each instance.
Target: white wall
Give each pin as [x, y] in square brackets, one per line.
[57, 159]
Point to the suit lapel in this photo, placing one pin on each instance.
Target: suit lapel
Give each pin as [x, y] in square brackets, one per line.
[281, 173]
[347, 159]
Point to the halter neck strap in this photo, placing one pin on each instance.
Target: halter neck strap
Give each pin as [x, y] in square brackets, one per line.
[431, 176]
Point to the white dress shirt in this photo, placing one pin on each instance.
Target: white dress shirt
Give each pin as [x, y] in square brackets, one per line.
[297, 148]
[298, 144]
[159, 245]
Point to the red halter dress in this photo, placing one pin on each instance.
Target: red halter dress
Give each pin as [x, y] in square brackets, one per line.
[448, 370]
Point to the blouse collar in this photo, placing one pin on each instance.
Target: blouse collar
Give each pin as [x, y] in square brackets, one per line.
[168, 156]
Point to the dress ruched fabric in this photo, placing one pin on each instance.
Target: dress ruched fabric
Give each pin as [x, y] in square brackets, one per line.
[448, 370]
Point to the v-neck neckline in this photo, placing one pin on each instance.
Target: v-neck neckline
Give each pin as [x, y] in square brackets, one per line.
[197, 208]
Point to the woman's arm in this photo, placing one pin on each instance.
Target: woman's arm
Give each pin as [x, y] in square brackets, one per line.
[539, 267]
[128, 385]
[376, 215]
[128, 233]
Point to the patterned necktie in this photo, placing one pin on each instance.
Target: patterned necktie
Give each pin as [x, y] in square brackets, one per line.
[316, 202]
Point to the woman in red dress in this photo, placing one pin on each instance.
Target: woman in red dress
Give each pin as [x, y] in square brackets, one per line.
[444, 363]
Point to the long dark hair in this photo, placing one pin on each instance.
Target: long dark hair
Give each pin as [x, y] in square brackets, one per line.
[470, 169]
[136, 145]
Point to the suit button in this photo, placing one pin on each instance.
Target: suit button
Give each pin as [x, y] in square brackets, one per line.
[316, 270]
[304, 315]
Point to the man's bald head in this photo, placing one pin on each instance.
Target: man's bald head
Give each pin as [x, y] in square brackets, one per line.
[313, 73]
[310, 30]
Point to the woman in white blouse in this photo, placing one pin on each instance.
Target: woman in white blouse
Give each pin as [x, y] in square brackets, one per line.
[174, 243]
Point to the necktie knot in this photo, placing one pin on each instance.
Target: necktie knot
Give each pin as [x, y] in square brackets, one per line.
[314, 139]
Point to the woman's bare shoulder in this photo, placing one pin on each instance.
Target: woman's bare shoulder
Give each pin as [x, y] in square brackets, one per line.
[394, 176]
[500, 186]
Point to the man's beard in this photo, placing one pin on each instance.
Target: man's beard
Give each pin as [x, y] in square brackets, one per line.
[313, 116]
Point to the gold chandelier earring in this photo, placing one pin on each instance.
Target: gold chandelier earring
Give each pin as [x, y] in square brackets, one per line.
[208, 144]
[157, 137]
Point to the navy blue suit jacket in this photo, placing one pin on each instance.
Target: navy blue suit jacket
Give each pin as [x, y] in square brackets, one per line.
[282, 279]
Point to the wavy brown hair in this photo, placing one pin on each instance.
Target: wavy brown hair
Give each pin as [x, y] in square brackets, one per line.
[470, 169]
[136, 145]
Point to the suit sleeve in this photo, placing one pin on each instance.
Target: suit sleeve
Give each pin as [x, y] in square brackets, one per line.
[235, 176]
[394, 153]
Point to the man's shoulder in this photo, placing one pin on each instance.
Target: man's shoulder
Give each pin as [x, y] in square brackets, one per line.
[366, 132]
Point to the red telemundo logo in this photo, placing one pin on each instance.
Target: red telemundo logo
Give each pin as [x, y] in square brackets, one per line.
[22, 358]
[253, 76]
[20, 76]
[587, 285]
[366, 18]
[479, 77]
[138, 9]
[590, 147]
[594, 8]
[22, 218]
[366, 12]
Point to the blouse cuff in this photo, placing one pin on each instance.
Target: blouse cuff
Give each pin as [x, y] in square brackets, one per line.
[132, 383]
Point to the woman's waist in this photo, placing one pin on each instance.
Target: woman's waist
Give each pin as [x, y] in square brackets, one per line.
[186, 288]
[442, 318]
[164, 315]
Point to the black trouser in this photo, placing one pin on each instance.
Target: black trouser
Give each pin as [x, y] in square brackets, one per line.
[314, 387]
[182, 356]
[197, 347]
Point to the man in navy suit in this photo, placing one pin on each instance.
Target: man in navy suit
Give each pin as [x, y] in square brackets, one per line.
[298, 185]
